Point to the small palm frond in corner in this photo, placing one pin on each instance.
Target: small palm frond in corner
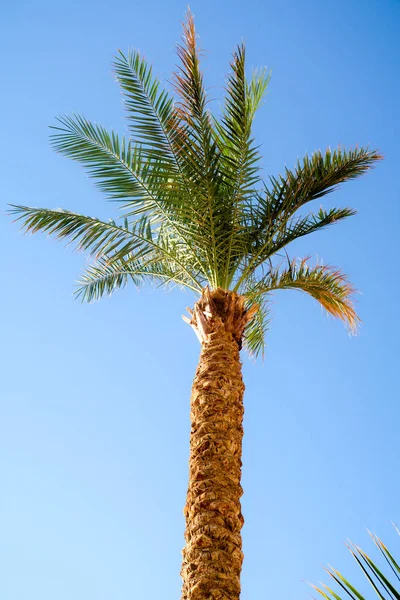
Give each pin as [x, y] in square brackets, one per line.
[383, 578]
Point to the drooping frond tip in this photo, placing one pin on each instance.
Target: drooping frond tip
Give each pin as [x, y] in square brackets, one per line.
[331, 288]
[326, 284]
[338, 298]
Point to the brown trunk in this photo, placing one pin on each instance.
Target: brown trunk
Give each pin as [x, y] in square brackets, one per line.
[212, 557]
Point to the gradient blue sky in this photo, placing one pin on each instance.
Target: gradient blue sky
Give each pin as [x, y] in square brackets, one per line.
[94, 411]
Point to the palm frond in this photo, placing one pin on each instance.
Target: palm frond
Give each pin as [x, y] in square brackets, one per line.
[87, 233]
[385, 587]
[256, 89]
[389, 558]
[239, 155]
[151, 114]
[156, 123]
[325, 284]
[118, 166]
[127, 174]
[122, 170]
[239, 162]
[296, 228]
[109, 239]
[103, 278]
[316, 176]
[201, 150]
[189, 86]
[313, 178]
[110, 273]
[256, 328]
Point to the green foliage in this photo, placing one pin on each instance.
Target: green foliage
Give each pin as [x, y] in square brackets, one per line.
[386, 586]
[195, 210]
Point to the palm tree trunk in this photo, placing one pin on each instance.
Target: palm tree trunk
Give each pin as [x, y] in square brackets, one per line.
[212, 557]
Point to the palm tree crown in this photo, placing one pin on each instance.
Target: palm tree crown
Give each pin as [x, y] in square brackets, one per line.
[195, 210]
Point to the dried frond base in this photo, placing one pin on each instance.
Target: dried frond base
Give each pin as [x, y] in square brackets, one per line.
[220, 309]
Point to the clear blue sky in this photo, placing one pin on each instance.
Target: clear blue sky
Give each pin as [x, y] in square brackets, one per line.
[94, 412]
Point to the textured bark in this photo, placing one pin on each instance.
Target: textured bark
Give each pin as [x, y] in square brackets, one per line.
[212, 557]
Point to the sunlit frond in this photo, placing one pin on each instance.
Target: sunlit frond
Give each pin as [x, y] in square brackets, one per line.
[152, 118]
[312, 178]
[127, 174]
[325, 284]
[108, 274]
[384, 579]
[256, 329]
[298, 227]
[189, 87]
[202, 153]
[109, 239]
[103, 278]
[239, 154]
[116, 164]
[86, 233]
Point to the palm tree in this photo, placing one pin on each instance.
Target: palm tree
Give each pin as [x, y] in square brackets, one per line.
[197, 214]
[386, 586]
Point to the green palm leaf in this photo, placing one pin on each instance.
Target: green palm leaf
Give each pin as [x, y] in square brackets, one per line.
[103, 239]
[239, 155]
[127, 174]
[118, 166]
[106, 275]
[325, 284]
[256, 329]
[315, 177]
[302, 226]
[151, 114]
[383, 586]
[86, 233]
